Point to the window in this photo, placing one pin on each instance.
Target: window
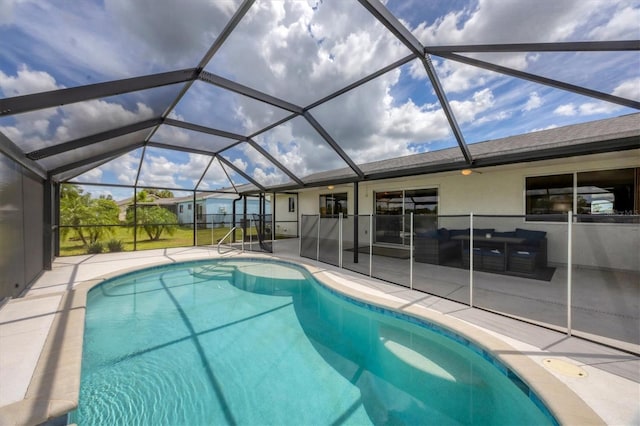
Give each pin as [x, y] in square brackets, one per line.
[331, 205]
[189, 206]
[598, 196]
[180, 208]
[602, 194]
[292, 204]
[549, 197]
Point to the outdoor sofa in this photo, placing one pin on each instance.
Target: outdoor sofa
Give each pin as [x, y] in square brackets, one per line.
[520, 250]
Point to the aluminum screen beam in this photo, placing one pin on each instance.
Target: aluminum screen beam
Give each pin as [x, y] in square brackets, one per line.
[94, 159]
[203, 129]
[327, 137]
[226, 32]
[54, 98]
[273, 125]
[226, 174]
[386, 18]
[222, 37]
[240, 172]
[578, 46]
[90, 140]
[189, 149]
[364, 80]
[446, 108]
[72, 174]
[542, 80]
[180, 148]
[275, 162]
[249, 92]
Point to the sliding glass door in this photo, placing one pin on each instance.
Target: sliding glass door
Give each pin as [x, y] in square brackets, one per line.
[392, 214]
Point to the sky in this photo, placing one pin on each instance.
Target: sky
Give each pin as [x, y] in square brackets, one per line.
[300, 52]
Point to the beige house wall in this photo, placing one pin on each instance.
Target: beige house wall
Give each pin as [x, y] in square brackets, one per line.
[501, 191]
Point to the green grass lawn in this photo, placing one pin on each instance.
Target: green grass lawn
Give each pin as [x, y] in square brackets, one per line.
[182, 237]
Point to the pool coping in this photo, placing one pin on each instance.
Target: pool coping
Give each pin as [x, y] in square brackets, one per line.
[55, 385]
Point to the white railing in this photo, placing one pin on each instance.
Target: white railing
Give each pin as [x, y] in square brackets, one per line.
[231, 247]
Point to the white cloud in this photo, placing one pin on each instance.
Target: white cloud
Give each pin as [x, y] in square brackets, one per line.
[264, 177]
[566, 110]
[93, 176]
[466, 111]
[499, 21]
[629, 89]
[533, 102]
[593, 108]
[551, 126]
[38, 129]
[623, 25]
[90, 117]
[26, 82]
[240, 164]
[162, 168]
[586, 109]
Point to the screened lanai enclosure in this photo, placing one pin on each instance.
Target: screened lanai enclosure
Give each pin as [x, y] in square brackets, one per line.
[129, 126]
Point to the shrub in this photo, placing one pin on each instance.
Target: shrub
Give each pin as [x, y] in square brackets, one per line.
[115, 245]
[95, 248]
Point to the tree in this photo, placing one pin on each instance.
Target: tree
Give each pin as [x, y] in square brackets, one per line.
[153, 221]
[160, 193]
[78, 212]
[144, 195]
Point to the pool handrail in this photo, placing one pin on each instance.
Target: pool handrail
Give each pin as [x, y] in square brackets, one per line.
[231, 231]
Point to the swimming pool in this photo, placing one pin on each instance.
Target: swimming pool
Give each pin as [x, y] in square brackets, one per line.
[225, 342]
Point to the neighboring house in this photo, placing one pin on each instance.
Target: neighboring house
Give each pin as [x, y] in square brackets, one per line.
[152, 200]
[215, 208]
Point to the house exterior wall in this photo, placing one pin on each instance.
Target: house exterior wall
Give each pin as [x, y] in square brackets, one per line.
[286, 221]
[501, 191]
[186, 216]
[218, 206]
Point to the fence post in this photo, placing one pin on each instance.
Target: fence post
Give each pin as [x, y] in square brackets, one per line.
[471, 259]
[340, 240]
[318, 241]
[370, 243]
[569, 268]
[411, 250]
[300, 236]
[250, 235]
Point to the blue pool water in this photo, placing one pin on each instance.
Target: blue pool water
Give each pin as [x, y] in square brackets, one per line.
[226, 342]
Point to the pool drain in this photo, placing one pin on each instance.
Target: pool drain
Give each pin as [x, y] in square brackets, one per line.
[564, 367]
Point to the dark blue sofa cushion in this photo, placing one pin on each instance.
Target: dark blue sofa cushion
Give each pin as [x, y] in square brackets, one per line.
[456, 232]
[444, 234]
[528, 234]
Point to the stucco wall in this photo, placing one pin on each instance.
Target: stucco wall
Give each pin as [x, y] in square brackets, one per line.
[286, 221]
[501, 191]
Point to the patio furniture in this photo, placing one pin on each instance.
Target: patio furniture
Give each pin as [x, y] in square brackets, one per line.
[443, 246]
[493, 260]
[477, 258]
[534, 242]
[522, 261]
[496, 247]
[435, 247]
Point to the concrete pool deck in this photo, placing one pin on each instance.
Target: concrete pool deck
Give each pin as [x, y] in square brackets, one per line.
[41, 349]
